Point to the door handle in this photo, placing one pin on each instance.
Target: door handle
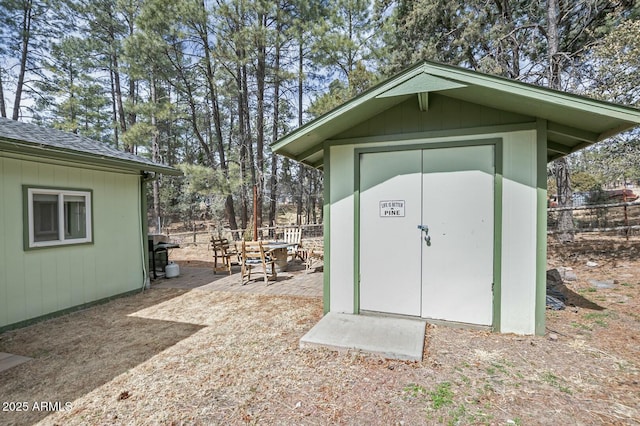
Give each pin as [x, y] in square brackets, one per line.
[427, 237]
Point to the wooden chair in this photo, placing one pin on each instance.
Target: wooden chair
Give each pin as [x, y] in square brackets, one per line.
[293, 236]
[253, 254]
[225, 254]
[313, 251]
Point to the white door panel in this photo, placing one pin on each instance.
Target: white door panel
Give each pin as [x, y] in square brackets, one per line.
[451, 191]
[390, 246]
[457, 270]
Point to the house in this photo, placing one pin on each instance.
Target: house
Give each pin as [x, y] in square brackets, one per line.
[72, 222]
[435, 193]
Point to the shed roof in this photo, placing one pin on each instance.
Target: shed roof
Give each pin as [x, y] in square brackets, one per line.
[29, 139]
[573, 121]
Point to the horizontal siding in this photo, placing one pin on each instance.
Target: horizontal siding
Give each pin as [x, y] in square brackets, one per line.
[38, 282]
[444, 113]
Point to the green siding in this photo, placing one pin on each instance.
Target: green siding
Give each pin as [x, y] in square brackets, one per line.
[326, 284]
[39, 282]
[443, 114]
[3, 253]
[541, 226]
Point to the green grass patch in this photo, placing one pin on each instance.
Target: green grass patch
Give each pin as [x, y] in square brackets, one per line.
[580, 326]
[441, 396]
[414, 390]
[598, 318]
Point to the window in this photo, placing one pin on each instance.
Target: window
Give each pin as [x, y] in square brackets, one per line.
[57, 217]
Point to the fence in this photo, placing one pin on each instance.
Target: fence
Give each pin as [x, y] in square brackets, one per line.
[621, 219]
[267, 233]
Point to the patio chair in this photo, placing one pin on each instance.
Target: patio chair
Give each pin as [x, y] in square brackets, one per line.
[313, 250]
[224, 253]
[253, 254]
[293, 236]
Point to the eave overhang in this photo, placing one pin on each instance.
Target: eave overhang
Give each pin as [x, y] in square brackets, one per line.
[573, 121]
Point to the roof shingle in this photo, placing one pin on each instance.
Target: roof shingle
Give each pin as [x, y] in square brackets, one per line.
[63, 142]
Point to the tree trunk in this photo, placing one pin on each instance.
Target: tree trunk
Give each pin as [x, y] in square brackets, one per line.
[300, 194]
[561, 166]
[24, 53]
[114, 110]
[229, 209]
[155, 155]
[3, 108]
[244, 208]
[273, 182]
[260, 82]
[118, 92]
[565, 217]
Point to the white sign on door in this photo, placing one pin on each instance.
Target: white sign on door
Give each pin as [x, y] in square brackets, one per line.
[392, 208]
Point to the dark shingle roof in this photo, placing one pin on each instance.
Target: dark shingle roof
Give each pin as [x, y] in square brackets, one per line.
[27, 136]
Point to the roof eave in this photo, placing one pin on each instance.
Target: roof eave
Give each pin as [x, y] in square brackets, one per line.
[44, 151]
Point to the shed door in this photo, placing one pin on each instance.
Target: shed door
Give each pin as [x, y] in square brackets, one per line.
[448, 190]
[457, 268]
[390, 208]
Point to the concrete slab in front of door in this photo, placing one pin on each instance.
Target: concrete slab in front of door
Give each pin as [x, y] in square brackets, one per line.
[388, 336]
[8, 360]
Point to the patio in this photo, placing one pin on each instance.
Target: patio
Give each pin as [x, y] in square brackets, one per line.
[295, 282]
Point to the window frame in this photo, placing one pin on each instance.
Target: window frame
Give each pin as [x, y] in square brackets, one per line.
[30, 242]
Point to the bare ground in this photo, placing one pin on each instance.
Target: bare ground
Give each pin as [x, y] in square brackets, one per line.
[172, 356]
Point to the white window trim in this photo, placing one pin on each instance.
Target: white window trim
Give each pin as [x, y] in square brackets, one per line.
[61, 241]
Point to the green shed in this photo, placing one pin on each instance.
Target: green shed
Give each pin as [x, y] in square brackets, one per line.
[435, 193]
[72, 222]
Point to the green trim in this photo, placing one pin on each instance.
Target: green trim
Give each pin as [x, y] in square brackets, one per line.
[49, 152]
[356, 231]
[415, 136]
[25, 217]
[572, 132]
[575, 117]
[557, 147]
[541, 227]
[309, 152]
[326, 193]
[497, 236]
[474, 132]
[145, 229]
[497, 213]
[66, 311]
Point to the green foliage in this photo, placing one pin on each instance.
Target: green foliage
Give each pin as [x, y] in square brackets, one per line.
[209, 84]
[617, 55]
[583, 181]
[441, 396]
[414, 390]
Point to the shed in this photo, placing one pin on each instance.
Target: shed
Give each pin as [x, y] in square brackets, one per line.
[73, 225]
[435, 193]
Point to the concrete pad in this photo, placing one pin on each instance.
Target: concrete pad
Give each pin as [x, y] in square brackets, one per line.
[8, 361]
[390, 337]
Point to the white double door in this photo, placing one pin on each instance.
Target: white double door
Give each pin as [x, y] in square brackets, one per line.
[447, 273]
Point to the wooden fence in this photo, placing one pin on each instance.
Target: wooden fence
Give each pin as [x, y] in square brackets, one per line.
[267, 233]
[621, 219]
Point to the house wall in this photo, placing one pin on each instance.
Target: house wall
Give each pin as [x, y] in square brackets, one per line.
[38, 282]
[516, 303]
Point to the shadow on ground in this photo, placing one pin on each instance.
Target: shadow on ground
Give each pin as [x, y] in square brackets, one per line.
[87, 349]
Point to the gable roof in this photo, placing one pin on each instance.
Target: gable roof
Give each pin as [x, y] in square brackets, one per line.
[29, 139]
[573, 121]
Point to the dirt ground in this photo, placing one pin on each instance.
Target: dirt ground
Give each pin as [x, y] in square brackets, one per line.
[173, 356]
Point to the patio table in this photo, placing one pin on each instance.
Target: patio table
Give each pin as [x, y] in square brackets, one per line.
[278, 249]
